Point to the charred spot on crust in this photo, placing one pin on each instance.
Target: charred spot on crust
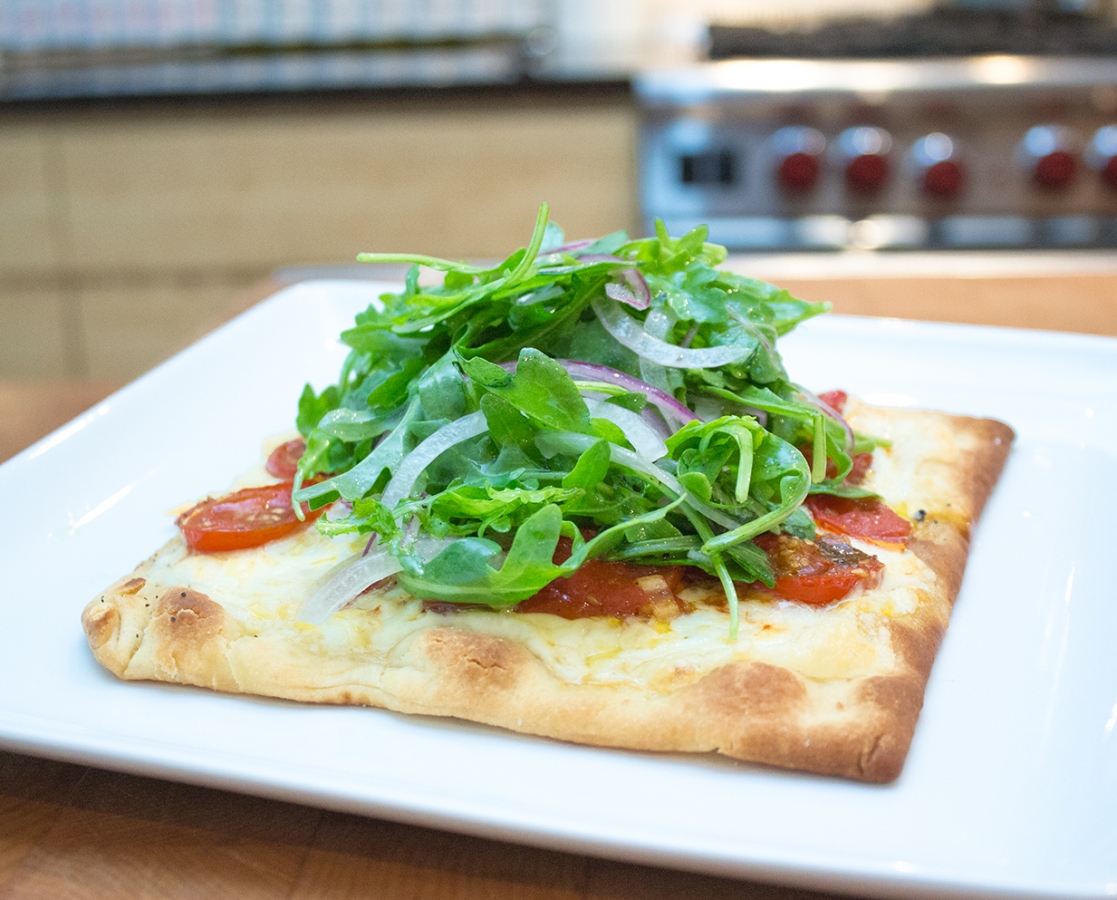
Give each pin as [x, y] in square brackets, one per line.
[482, 660]
[100, 623]
[190, 615]
[753, 689]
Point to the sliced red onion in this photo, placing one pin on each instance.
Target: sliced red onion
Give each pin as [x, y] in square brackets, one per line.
[671, 408]
[657, 422]
[601, 257]
[815, 400]
[347, 584]
[631, 334]
[668, 405]
[359, 576]
[658, 323]
[655, 375]
[639, 285]
[571, 247]
[647, 443]
[415, 462]
[634, 292]
[622, 294]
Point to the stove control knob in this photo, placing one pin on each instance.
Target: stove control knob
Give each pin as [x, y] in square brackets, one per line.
[935, 158]
[1049, 152]
[797, 153]
[864, 153]
[1101, 154]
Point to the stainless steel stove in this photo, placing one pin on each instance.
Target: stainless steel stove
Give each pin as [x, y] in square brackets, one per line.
[984, 151]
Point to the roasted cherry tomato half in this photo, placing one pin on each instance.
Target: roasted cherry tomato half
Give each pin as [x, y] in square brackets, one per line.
[242, 519]
[816, 572]
[862, 462]
[864, 517]
[836, 400]
[283, 462]
[603, 588]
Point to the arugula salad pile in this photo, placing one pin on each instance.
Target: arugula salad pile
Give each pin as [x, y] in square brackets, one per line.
[624, 394]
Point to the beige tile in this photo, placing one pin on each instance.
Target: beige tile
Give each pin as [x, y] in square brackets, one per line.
[27, 244]
[130, 328]
[266, 189]
[34, 342]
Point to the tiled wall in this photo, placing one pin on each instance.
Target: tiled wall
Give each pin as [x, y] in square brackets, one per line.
[125, 234]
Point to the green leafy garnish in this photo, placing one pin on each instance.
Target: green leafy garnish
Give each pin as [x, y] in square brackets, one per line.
[613, 460]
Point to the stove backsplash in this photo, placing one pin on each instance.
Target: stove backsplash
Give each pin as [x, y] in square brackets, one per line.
[995, 151]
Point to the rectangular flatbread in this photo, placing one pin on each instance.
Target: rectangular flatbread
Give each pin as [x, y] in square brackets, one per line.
[835, 689]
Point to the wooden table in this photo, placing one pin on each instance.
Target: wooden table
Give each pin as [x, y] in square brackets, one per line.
[80, 832]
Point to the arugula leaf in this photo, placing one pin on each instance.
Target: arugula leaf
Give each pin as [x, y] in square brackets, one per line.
[540, 388]
[462, 573]
[591, 469]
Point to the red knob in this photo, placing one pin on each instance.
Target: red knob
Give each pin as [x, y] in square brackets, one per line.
[1055, 169]
[935, 159]
[1051, 154]
[798, 153]
[865, 150]
[798, 171]
[1102, 154]
[1109, 173]
[867, 172]
[943, 179]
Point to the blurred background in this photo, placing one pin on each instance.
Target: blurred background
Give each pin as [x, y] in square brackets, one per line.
[160, 160]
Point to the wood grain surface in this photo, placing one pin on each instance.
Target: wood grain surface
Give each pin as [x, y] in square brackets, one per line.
[72, 831]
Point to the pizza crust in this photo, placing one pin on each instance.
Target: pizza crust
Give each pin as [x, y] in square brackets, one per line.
[835, 691]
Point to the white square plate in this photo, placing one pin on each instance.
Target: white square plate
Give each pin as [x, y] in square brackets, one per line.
[1011, 784]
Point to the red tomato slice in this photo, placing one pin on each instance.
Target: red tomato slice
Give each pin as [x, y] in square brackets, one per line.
[818, 590]
[601, 588]
[242, 519]
[864, 517]
[836, 400]
[283, 462]
[816, 572]
[861, 464]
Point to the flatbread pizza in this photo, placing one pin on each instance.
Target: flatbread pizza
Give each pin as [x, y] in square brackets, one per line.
[577, 495]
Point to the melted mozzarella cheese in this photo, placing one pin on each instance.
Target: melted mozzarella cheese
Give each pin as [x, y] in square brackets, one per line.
[264, 590]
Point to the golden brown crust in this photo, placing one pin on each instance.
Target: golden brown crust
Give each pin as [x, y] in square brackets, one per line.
[940, 471]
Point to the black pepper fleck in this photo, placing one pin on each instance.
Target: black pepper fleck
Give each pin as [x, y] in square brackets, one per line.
[920, 515]
[172, 618]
